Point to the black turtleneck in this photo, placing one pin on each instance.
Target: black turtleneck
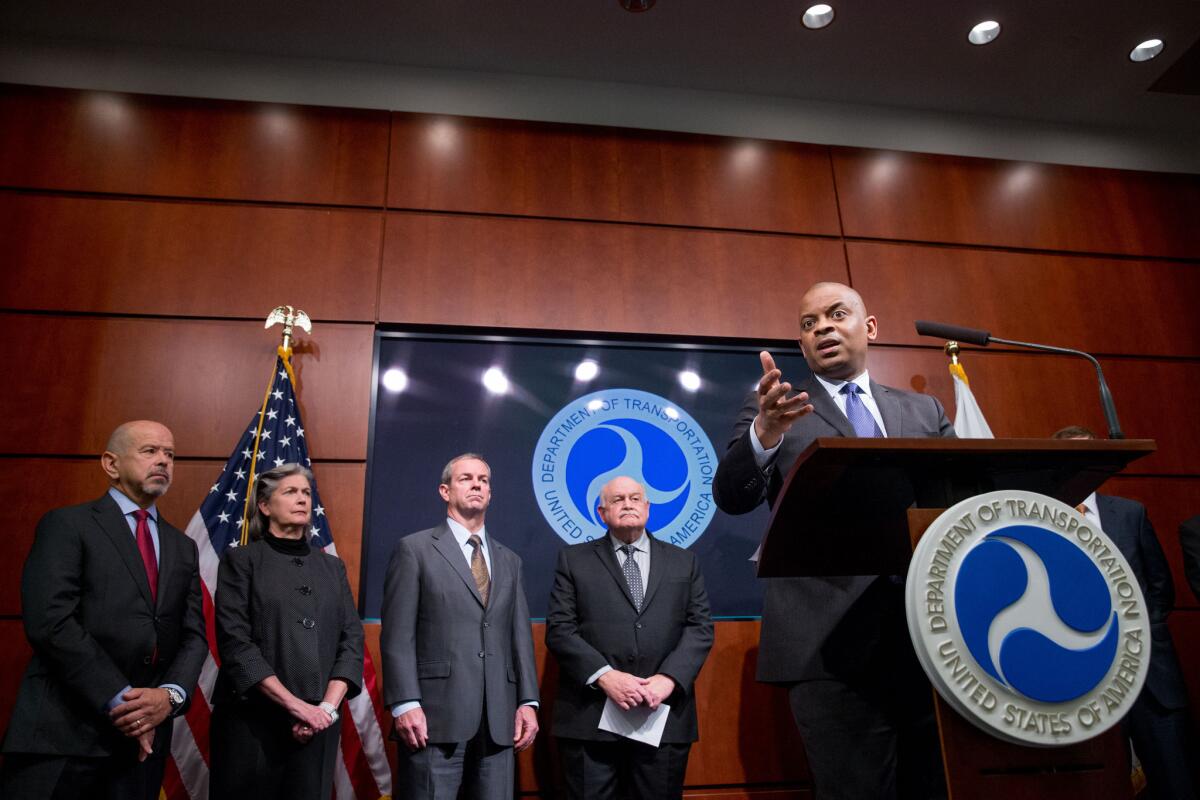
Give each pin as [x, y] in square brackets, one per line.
[289, 547]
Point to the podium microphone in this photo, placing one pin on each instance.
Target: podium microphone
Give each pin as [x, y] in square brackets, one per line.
[974, 336]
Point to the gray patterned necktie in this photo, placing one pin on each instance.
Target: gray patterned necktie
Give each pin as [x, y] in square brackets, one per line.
[479, 570]
[861, 420]
[633, 576]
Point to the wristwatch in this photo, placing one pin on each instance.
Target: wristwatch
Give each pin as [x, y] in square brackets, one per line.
[329, 709]
[176, 699]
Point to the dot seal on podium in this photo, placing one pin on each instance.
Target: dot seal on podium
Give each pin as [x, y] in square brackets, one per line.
[1027, 619]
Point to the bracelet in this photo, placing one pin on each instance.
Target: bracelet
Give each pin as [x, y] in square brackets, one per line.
[329, 709]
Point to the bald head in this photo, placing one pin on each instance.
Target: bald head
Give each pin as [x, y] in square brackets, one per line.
[835, 330]
[139, 460]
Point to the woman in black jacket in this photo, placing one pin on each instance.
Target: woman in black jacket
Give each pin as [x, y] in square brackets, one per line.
[291, 648]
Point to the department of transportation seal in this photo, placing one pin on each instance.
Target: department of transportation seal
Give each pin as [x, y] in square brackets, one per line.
[1027, 619]
[599, 436]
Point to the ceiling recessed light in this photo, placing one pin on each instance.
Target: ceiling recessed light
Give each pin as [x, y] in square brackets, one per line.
[984, 32]
[817, 16]
[1146, 50]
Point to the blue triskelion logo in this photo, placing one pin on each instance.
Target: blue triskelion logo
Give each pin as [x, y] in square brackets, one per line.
[599, 436]
[1027, 619]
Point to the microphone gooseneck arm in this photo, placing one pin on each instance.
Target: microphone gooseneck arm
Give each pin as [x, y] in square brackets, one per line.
[983, 339]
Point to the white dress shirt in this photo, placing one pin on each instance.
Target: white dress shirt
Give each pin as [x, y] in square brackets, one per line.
[641, 557]
[763, 457]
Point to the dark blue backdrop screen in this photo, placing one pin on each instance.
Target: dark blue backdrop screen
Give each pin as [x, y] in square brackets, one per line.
[552, 439]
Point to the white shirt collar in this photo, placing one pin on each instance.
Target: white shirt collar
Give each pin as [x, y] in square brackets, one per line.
[127, 506]
[461, 534]
[835, 387]
[641, 543]
[1089, 502]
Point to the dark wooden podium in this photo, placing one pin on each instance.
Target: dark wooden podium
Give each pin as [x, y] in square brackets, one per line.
[859, 506]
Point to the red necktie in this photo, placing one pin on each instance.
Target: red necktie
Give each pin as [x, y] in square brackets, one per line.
[146, 548]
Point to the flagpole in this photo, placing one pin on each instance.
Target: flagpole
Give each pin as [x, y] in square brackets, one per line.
[288, 316]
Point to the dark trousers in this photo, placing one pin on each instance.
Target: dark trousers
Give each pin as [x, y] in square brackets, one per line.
[478, 769]
[255, 757]
[40, 777]
[869, 742]
[623, 769]
[1163, 742]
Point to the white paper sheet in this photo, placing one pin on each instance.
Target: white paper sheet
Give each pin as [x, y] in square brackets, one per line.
[638, 723]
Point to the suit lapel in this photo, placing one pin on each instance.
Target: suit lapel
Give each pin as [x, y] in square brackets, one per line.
[825, 407]
[168, 553]
[445, 543]
[1106, 513]
[604, 551]
[108, 516]
[658, 554]
[889, 409]
[502, 575]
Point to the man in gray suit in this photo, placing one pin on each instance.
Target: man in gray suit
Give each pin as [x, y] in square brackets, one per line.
[839, 644]
[458, 668]
[629, 623]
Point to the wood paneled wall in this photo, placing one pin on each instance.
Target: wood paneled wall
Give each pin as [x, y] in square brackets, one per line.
[142, 239]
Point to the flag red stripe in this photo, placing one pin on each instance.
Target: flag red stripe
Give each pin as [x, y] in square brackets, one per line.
[210, 623]
[371, 687]
[173, 786]
[356, 761]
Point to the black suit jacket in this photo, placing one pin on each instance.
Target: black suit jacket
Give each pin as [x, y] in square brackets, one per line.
[814, 628]
[265, 602]
[87, 612]
[592, 621]
[1189, 540]
[1126, 523]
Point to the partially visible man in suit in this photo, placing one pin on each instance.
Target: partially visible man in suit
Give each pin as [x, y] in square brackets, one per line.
[628, 622]
[458, 666]
[1189, 541]
[110, 599]
[1158, 721]
[839, 644]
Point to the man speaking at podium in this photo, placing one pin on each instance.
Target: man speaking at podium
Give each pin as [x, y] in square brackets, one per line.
[840, 644]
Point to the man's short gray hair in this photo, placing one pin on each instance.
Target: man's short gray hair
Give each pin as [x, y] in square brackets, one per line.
[448, 470]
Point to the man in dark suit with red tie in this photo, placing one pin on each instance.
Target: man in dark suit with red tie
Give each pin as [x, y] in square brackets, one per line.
[839, 644]
[111, 604]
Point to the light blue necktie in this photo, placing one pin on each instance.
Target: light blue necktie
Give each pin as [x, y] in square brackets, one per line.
[856, 411]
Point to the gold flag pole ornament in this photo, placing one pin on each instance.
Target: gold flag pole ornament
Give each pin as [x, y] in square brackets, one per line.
[291, 318]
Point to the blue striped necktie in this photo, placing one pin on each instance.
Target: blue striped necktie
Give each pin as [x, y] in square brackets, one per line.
[860, 418]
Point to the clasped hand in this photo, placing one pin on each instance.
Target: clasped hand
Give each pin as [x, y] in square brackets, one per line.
[144, 710]
[628, 691]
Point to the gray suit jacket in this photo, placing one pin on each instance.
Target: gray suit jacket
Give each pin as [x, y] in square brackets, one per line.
[88, 613]
[442, 647]
[814, 628]
[592, 621]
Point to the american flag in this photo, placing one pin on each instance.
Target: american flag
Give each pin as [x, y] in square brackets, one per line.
[274, 436]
